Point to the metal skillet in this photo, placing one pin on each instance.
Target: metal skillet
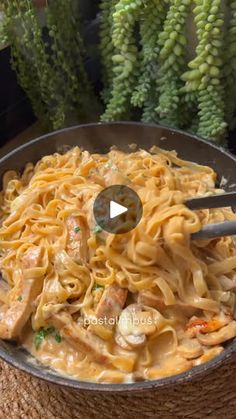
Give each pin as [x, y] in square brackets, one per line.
[99, 138]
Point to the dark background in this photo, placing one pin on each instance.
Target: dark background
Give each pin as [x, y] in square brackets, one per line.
[15, 109]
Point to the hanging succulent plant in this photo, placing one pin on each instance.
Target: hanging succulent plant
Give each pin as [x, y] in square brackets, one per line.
[50, 71]
[198, 95]
[146, 62]
[125, 59]
[145, 94]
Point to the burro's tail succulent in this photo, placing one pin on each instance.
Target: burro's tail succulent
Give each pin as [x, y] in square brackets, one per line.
[149, 65]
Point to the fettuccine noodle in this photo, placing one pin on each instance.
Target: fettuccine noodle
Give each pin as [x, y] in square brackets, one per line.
[102, 307]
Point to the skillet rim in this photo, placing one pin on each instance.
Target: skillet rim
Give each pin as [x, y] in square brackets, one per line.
[49, 375]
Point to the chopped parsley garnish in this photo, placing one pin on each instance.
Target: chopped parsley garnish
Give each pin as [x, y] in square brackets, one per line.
[77, 229]
[58, 338]
[97, 229]
[39, 338]
[19, 298]
[43, 333]
[97, 287]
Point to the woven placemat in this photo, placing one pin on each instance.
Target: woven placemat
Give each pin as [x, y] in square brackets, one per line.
[212, 396]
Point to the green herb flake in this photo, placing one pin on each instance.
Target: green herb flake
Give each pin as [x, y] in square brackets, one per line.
[19, 298]
[97, 229]
[41, 335]
[58, 338]
[39, 338]
[97, 287]
[77, 229]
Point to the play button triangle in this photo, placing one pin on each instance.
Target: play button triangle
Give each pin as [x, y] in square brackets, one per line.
[116, 209]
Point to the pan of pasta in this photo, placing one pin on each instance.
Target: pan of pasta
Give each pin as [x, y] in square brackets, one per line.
[91, 309]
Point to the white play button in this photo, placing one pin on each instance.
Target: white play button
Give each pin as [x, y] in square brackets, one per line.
[116, 209]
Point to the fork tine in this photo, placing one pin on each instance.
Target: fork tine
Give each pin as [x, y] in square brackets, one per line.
[214, 201]
[211, 231]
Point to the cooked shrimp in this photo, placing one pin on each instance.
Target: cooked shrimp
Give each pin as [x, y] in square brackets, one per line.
[220, 336]
[196, 325]
[190, 348]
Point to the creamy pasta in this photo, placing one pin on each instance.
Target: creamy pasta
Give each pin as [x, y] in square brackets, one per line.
[102, 307]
